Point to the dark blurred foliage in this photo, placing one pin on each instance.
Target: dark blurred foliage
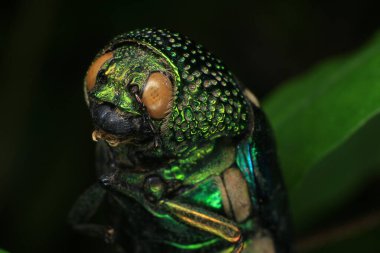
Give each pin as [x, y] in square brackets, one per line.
[46, 46]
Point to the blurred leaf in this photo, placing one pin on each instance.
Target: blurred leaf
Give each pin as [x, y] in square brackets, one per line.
[366, 241]
[337, 177]
[325, 142]
[3, 251]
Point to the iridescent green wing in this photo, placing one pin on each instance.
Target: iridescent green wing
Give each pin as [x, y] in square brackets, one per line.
[257, 160]
[246, 161]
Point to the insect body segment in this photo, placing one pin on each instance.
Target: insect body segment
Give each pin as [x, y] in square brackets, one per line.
[185, 161]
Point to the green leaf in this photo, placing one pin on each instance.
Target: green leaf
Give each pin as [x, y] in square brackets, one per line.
[337, 177]
[365, 241]
[3, 251]
[326, 125]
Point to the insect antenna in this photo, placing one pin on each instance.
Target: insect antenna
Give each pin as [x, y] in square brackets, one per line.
[146, 117]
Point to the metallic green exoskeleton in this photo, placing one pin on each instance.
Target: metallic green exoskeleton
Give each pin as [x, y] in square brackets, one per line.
[185, 157]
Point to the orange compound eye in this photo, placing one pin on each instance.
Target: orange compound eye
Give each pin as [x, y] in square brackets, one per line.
[94, 69]
[157, 95]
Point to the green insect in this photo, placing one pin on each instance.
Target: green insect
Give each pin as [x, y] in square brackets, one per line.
[185, 157]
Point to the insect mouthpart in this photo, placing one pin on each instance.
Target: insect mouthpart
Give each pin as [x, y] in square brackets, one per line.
[112, 140]
[116, 127]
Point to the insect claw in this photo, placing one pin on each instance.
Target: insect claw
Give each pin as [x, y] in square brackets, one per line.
[110, 235]
[106, 180]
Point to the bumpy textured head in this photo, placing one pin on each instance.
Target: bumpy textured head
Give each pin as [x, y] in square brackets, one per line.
[200, 98]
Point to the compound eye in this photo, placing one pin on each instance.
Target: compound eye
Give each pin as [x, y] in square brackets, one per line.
[92, 72]
[157, 95]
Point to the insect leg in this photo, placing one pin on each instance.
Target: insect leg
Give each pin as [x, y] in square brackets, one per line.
[206, 221]
[84, 209]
